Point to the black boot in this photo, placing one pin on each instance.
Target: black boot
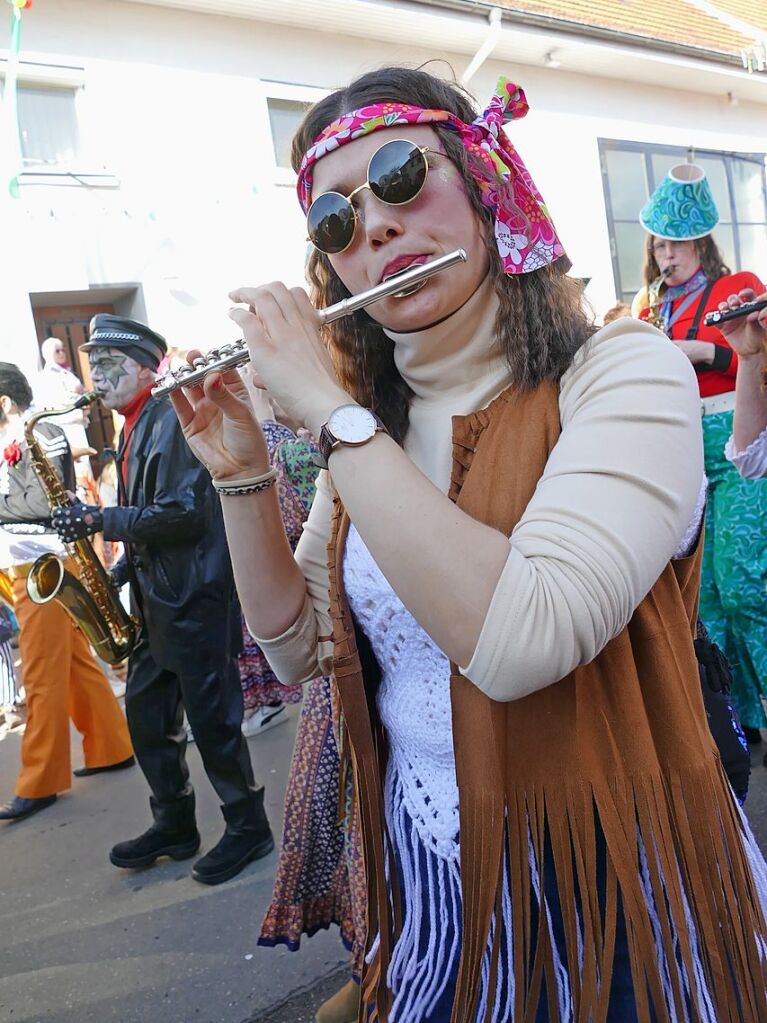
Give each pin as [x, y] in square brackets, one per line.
[247, 837]
[144, 850]
[174, 833]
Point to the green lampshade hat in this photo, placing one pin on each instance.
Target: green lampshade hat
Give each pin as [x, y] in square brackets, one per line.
[682, 207]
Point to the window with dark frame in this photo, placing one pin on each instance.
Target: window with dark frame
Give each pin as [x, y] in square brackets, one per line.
[631, 171]
[285, 115]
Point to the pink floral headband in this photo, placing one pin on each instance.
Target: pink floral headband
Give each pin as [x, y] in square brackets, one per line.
[524, 231]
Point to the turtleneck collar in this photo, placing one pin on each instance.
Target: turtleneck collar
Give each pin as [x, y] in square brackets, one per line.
[447, 360]
[454, 368]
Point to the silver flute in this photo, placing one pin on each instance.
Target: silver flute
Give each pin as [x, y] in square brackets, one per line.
[236, 353]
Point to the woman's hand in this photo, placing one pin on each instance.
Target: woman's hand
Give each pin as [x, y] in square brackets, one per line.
[282, 331]
[698, 352]
[747, 334]
[219, 425]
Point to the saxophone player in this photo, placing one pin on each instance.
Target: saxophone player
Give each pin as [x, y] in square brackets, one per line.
[182, 587]
[61, 677]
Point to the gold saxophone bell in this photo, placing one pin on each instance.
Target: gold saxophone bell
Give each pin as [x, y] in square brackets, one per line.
[49, 580]
[91, 600]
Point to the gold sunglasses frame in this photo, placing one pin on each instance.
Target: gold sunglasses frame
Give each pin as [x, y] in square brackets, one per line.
[423, 150]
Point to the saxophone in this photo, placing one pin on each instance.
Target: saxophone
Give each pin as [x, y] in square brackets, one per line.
[653, 299]
[91, 600]
[6, 589]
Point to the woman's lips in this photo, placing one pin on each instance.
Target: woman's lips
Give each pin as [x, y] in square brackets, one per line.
[400, 265]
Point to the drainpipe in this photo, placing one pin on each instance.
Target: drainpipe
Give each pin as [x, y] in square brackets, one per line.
[493, 34]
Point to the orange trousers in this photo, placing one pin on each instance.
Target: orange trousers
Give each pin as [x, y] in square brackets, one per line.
[62, 680]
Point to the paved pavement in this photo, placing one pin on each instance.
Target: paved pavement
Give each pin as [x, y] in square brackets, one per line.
[82, 942]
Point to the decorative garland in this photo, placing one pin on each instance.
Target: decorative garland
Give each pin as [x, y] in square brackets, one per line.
[10, 111]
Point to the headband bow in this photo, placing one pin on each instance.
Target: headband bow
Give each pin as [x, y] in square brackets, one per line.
[524, 231]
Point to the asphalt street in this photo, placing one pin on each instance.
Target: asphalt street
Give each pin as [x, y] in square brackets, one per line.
[83, 942]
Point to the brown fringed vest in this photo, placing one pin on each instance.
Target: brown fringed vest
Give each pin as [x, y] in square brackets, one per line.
[627, 751]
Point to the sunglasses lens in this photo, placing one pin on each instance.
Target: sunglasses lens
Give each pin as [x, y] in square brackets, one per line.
[397, 172]
[330, 222]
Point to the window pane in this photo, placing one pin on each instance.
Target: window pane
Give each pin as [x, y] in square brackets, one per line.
[748, 184]
[48, 126]
[628, 183]
[630, 240]
[285, 115]
[715, 172]
[717, 178]
[753, 249]
[725, 239]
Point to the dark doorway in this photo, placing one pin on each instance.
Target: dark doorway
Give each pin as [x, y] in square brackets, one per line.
[70, 324]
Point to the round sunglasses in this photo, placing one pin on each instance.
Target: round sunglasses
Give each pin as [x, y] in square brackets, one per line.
[396, 175]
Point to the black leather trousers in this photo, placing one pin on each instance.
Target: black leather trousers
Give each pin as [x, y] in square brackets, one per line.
[155, 701]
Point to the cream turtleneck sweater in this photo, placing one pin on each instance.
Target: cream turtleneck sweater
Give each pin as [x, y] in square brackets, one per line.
[617, 494]
[453, 369]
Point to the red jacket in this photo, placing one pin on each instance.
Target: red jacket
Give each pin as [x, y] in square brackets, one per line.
[710, 381]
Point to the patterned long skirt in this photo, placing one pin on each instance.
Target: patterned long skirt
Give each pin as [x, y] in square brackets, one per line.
[320, 877]
[733, 599]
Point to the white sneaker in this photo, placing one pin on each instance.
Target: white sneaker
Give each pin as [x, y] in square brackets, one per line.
[9, 717]
[263, 719]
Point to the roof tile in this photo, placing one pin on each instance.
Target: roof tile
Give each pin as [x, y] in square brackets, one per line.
[680, 22]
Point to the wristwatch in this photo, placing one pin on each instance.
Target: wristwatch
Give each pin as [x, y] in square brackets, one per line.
[351, 425]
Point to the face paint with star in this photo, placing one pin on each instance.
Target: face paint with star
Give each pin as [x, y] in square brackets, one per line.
[117, 377]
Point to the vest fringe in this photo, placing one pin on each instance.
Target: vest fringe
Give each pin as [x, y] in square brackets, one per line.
[676, 869]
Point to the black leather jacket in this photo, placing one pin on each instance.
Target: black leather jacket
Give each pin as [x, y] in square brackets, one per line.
[177, 558]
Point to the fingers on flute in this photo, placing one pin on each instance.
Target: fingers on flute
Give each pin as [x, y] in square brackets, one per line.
[746, 295]
[303, 304]
[275, 302]
[192, 392]
[182, 407]
[230, 404]
[245, 296]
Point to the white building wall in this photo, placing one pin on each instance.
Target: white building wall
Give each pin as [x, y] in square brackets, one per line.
[174, 105]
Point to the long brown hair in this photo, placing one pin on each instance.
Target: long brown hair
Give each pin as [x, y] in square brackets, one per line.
[541, 321]
[711, 260]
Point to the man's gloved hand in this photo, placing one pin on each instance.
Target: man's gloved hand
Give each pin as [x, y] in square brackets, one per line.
[118, 573]
[77, 521]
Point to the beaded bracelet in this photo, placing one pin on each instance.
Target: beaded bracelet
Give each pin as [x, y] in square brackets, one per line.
[251, 485]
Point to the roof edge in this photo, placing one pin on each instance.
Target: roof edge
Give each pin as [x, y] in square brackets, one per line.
[575, 28]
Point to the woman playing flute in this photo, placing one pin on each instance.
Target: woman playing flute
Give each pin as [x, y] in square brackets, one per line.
[488, 571]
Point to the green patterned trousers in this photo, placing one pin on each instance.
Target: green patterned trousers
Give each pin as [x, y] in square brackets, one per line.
[733, 597]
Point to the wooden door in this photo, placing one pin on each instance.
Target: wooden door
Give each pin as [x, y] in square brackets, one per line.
[70, 325]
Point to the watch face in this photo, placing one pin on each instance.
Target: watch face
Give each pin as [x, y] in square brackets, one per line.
[352, 424]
